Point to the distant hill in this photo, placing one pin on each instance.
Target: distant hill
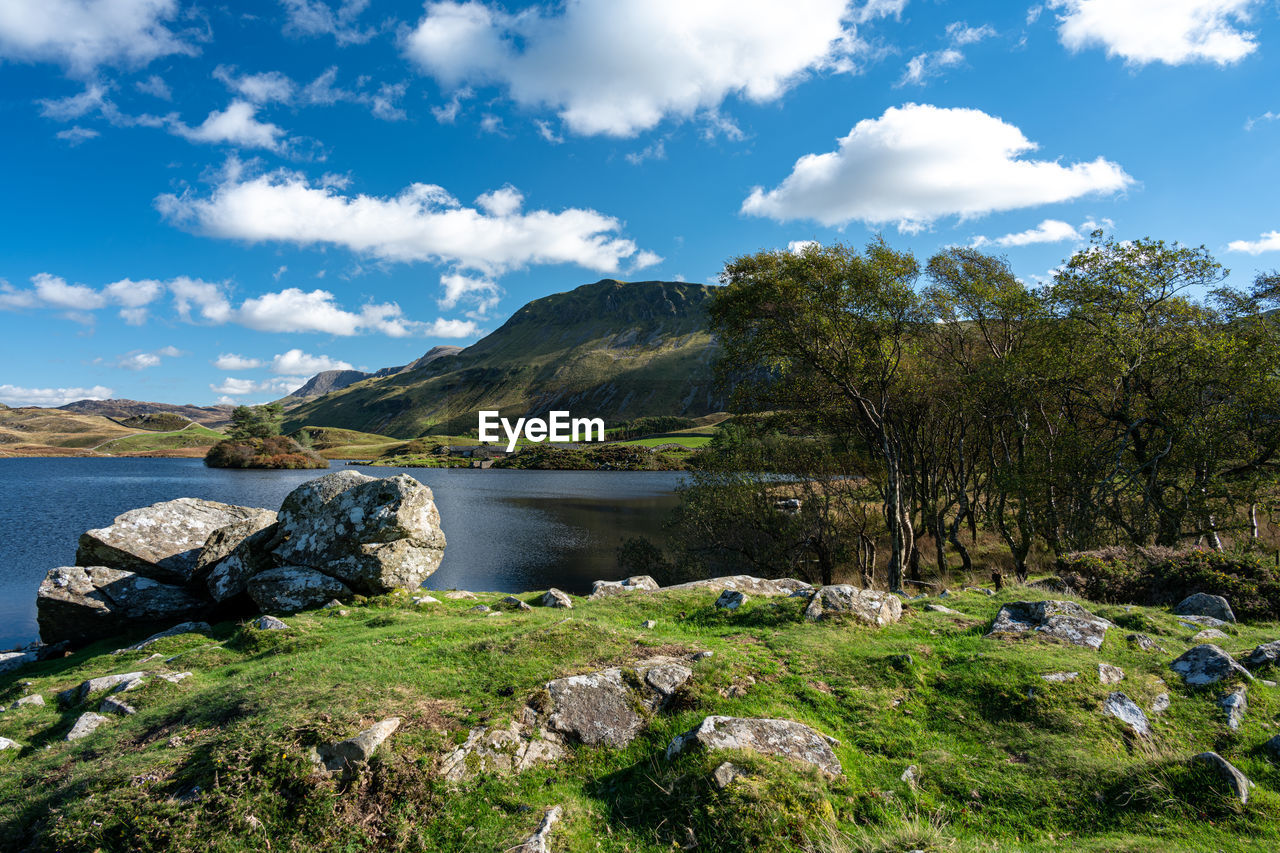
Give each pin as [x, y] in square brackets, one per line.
[210, 416]
[611, 349]
[328, 381]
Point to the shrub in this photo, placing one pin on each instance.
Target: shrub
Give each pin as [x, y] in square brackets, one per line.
[274, 452]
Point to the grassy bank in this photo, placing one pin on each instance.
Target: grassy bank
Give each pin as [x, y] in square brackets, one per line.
[1006, 761]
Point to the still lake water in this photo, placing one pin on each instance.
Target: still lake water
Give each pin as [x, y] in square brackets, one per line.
[508, 531]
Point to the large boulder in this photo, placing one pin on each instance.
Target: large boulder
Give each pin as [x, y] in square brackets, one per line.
[162, 541]
[1203, 604]
[609, 706]
[291, 588]
[1065, 621]
[1236, 782]
[228, 577]
[85, 603]
[748, 584]
[869, 606]
[1207, 664]
[373, 534]
[783, 738]
[603, 589]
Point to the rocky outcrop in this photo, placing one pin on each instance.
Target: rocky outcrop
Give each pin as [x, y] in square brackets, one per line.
[228, 577]
[225, 540]
[372, 534]
[86, 725]
[1207, 664]
[1203, 604]
[555, 598]
[538, 842]
[1265, 655]
[1110, 674]
[176, 630]
[1236, 782]
[288, 589]
[1126, 711]
[782, 738]
[610, 706]
[86, 603]
[269, 623]
[161, 541]
[337, 757]
[601, 589]
[12, 660]
[762, 587]
[1234, 704]
[1064, 621]
[512, 749]
[868, 606]
[731, 599]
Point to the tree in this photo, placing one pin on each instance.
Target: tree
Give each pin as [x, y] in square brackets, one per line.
[256, 421]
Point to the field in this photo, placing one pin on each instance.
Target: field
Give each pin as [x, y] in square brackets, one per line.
[1003, 759]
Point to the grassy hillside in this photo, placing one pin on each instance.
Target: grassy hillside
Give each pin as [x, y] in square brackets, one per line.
[56, 428]
[610, 349]
[193, 435]
[1005, 760]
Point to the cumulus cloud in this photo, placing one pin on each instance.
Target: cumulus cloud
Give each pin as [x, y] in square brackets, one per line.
[1170, 31]
[280, 386]
[649, 59]
[926, 65]
[198, 300]
[1268, 242]
[51, 291]
[82, 35]
[317, 17]
[295, 361]
[294, 310]
[444, 328]
[236, 125]
[798, 247]
[918, 163]
[276, 87]
[13, 395]
[482, 291]
[156, 87]
[1048, 231]
[423, 223]
[232, 361]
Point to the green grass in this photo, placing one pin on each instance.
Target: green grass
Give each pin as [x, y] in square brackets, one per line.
[1006, 761]
[193, 436]
[688, 440]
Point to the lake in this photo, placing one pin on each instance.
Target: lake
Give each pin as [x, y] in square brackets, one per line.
[508, 531]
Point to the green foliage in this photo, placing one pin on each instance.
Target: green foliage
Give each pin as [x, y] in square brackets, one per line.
[256, 421]
[606, 457]
[157, 422]
[640, 427]
[273, 452]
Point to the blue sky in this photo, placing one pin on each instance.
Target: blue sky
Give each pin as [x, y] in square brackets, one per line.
[208, 201]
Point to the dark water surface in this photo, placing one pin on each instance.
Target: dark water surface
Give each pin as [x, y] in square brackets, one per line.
[508, 530]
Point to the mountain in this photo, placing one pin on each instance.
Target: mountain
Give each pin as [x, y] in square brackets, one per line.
[611, 349]
[210, 416]
[328, 381]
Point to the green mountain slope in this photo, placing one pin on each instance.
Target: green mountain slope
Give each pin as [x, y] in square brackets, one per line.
[611, 349]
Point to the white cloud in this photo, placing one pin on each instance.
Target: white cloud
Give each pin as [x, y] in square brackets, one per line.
[918, 163]
[797, 247]
[423, 223]
[231, 361]
[1253, 121]
[316, 17]
[51, 291]
[275, 87]
[873, 9]
[54, 291]
[1048, 231]
[84, 34]
[1170, 31]
[204, 297]
[648, 59]
[295, 361]
[139, 360]
[236, 125]
[156, 87]
[1268, 242]
[170, 352]
[12, 395]
[443, 328]
[280, 386]
[925, 65]
[653, 151]
[293, 310]
[457, 287]
[264, 88]
[76, 135]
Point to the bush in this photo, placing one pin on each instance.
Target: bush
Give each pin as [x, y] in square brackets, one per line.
[274, 452]
[1162, 577]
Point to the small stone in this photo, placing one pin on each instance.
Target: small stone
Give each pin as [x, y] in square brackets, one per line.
[93, 685]
[1200, 622]
[1065, 621]
[702, 655]
[1208, 635]
[725, 774]
[1126, 711]
[1273, 748]
[172, 677]
[335, 757]
[1061, 676]
[34, 700]
[344, 612]
[1265, 655]
[425, 599]
[731, 599]
[86, 725]
[269, 623]
[938, 608]
[782, 738]
[911, 776]
[1108, 674]
[556, 598]
[513, 603]
[869, 606]
[332, 604]
[1235, 704]
[648, 623]
[5, 743]
[1160, 704]
[601, 589]
[183, 628]
[112, 705]
[902, 662]
[538, 843]
[1145, 643]
[460, 595]
[480, 608]
[1236, 782]
[1266, 683]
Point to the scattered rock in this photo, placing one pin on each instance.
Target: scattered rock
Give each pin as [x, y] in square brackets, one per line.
[5, 743]
[1201, 622]
[869, 606]
[1160, 704]
[85, 603]
[1209, 635]
[702, 655]
[35, 700]
[1234, 704]
[1272, 748]
[171, 677]
[1061, 676]
[980, 590]
[1126, 711]
[10, 661]
[1203, 604]
[332, 604]
[1265, 655]
[601, 589]
[374, 534]
[555, 598]
[161, 541]
[1207, 664]
[480, 608]
[289, 589]
[1065, 621]
[724, 775]
[537, 843]
[513, 749]
[460, 595]
[83, 690]
[112, 705]
[269, 623]
[731, 599]
[1145, 643]
[86, 725]
[762, 587]
[903, 661]
[610, 706]
[1108, 674]
[336, 757]
[1237, 783]
[939, 608]
[782, 738]
[425, 599]
[182, 628]
[648, 624]
[911, 776]
[513, 603]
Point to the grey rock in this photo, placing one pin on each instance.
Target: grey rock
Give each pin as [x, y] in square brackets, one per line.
[1235, 704]
[1126, 711]
[1064, 621]
[161, 541]
[649, 624]
[761, 587]
[35, 700]
[555, 598]
[1272, 748]
[5, 743]
[1237, 783]
[460, 595]
[228, 578]
[289, 589]
[172, 677]
[85, 725]
[373, 534]
[84, 603]
[602, 589]
[508, 750]
[911, 776]
[868, 606]
[1265, 655]
[538, 842]
[703, 655]
[480, 608]
[611, 706]
[224, 541]
[425, 599]
[1060, 677]
[731, 599]
[269, 623]
[10, 661]
[1201, 622]
[336, 757]
[1160, 704]
[1203, 604]
[112, 705]
[1208, 635]
[782, 738]
[725, 774]
[1145, 643]
[1207, 664]
[939, 608]
[83, 690]
[1108, 674]
[980, 590]
[513, 603]
[181, 628]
